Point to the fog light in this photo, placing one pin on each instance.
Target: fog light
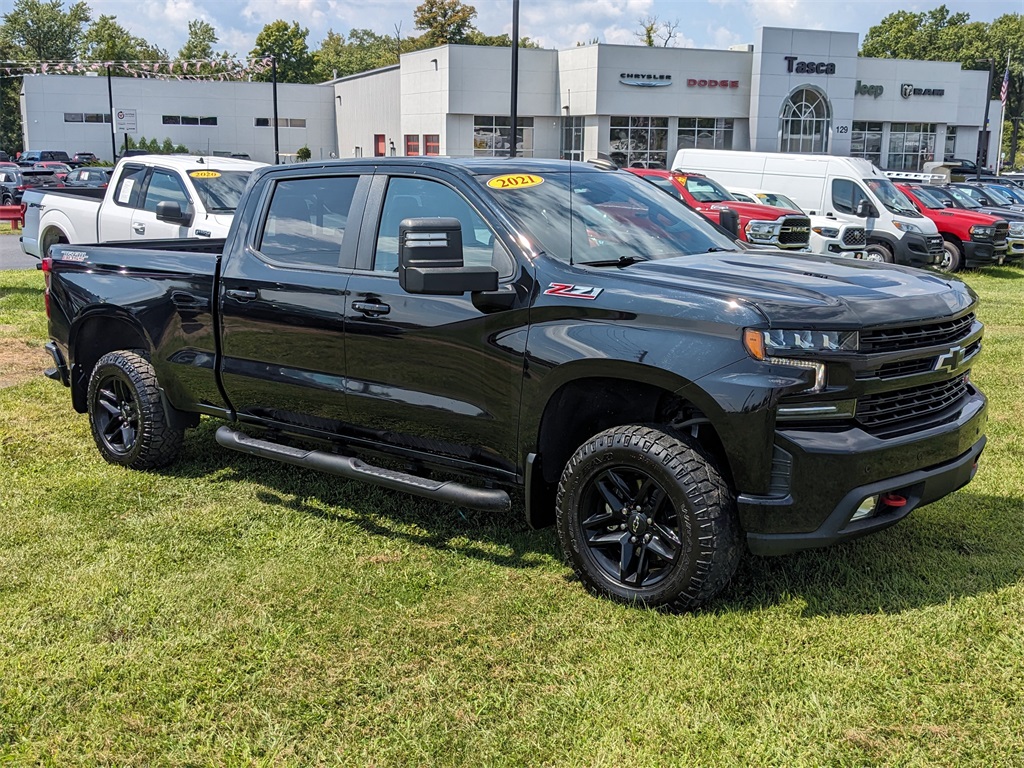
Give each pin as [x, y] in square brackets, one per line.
[866, 508]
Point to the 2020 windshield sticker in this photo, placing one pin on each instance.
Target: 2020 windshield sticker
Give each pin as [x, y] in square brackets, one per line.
[515, 181]
[587, 292]
[204, 174]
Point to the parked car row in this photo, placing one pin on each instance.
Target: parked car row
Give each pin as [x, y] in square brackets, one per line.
[15, 180]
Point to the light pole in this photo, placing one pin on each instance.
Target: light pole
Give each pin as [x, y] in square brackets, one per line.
[984, 126]
[514, 108]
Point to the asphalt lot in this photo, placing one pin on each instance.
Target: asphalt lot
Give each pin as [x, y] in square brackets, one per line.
[11, 256]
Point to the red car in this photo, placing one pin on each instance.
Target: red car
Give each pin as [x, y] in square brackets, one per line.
[60, 170]
[763, 225]
[970, 239]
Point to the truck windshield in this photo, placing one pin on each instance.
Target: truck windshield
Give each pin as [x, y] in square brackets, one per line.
[603, 217]
[928, 199]
[962, 200]
[704, 189]
[220, 191]
[894, 200]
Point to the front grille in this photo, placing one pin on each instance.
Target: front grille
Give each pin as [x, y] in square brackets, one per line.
[903, 405]
[935, 245]
[1002, 231]
[795, 232]
[855, 236]
[916, 336]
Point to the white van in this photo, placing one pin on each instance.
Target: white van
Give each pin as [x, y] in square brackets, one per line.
[846, 188]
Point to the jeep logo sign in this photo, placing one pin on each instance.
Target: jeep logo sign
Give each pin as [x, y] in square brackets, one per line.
[862, 89]
[907, 90]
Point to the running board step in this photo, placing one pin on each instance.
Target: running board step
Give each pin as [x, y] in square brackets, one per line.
[486, 499]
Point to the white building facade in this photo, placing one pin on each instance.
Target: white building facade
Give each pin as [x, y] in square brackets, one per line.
[791, 91]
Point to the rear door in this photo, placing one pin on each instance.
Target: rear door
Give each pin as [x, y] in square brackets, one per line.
[438, 374]
[282, 300]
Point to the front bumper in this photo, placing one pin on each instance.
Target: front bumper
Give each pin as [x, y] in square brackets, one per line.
[833, 472]
[918, 250]
[1014, 249]
[982, 254]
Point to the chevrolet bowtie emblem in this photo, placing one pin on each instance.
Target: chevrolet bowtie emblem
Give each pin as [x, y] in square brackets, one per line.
[951, 360]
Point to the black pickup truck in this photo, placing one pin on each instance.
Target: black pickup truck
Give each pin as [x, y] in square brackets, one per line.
[460, 329]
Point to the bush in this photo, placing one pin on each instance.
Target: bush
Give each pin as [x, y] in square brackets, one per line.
[303, 154]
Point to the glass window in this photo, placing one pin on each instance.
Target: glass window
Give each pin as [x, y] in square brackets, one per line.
[638, 142]
[307, 219]
[431, 144]
[127, 192]
[572, 137]
[207, 120]
[73, 117]
[261, 122]
[297, 122]
[220, 193]
[172, 120]
[950, 146]
[165, 186]
[911, 145]
[806, 122]
[491, 136]
[704, 133]
[866, 141]
[409, 198]
[412, 144]
[846, 196]
[189, 120]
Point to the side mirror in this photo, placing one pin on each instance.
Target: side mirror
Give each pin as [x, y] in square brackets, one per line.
[729, 220]
[866, 210]
[171, 212]
[430, 260]
[948, 203]
[983, 200]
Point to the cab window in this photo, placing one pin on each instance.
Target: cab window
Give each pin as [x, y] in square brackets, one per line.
[128, 186]
[846, 196]
[306, 221]
[165, 186]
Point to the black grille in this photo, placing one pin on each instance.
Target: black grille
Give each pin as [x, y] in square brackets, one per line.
[795, 231]
[916, 336]
[904, 405]
[935, 245]
[1002, 230]
[854, 236]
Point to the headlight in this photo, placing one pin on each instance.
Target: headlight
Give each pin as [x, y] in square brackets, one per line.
[906, 226]
[778, 346]
[763, 230]
[979, 232]
[1017, 228]
[826, 231]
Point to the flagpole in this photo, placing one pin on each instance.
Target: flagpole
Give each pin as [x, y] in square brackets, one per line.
[1002, 116]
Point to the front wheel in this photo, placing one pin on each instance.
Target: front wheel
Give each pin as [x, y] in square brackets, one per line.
[129, 421]
[952, 259]
[644, 516]
[878, 253]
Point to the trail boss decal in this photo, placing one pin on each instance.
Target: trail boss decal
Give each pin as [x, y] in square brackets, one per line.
[515, 181]
[573, 291]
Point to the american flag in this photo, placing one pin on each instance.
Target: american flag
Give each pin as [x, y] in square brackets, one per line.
[1005, 89]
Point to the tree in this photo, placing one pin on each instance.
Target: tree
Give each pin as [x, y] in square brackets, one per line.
[295, 64]
[201, 39]
[444, 21]
[45, 31]
[106, 40]
[364, 50]
[653, 31]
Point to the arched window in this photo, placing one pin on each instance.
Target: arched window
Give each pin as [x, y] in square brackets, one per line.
[806, 121]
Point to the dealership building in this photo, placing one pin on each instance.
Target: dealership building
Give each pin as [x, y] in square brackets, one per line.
[791, 91]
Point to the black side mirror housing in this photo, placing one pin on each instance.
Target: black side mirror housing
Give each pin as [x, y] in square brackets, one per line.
[729, 220]
[430, 260]
[983, 200]
[170, 211]
[866, 210]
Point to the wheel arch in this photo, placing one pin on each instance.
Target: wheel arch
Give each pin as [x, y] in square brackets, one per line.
[93, 335]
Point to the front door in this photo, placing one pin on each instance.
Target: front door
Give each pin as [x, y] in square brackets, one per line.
[162, 186]
[282, 301]
[438, 374]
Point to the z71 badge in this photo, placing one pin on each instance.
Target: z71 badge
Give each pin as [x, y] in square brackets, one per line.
[573, 291]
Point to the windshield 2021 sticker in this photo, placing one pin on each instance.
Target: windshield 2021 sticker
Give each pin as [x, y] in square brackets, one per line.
[204, 174]
[515, 181]
[587, 292]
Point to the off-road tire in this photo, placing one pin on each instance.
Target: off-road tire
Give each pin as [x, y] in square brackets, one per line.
[952, 258]
[127, 414]
[692, 523]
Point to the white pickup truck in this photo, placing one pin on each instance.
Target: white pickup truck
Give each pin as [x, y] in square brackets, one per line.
[150, 197]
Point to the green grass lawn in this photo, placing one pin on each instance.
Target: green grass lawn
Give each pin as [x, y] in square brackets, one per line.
[233, 611]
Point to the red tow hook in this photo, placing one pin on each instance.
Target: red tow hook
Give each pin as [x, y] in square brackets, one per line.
[893, 500]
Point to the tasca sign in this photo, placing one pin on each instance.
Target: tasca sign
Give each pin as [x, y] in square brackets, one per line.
[125, 120]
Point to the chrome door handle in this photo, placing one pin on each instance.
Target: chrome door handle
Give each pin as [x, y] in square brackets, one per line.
[371, 308]
[140, 229]
[241, 294]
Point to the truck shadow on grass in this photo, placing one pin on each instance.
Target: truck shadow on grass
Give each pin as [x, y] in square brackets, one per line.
[963, 546]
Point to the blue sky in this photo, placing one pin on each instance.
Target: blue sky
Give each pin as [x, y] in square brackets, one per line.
[553, 23]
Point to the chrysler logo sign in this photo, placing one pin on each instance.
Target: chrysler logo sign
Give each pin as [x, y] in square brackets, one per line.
[644, 80]
[907, 90]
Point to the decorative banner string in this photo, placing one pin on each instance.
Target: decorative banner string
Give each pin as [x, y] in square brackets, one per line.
[177, 69]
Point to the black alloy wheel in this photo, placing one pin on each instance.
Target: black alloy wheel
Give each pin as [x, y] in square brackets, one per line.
[117, 415]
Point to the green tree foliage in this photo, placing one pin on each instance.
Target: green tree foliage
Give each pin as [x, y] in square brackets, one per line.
[201, 39]
[444, 21]
[303, 154]
[362, 51]
[286, 43]
[106, 40]
[45, 31]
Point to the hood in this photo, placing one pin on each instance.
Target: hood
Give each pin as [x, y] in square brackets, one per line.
[1000, 213]
[748, 211]
[963, 215]
[804, 290]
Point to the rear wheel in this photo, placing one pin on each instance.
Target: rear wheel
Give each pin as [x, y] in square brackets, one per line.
[129, 421]
[645, 517]
[7, 200]
[952, 258]
[878, 252]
